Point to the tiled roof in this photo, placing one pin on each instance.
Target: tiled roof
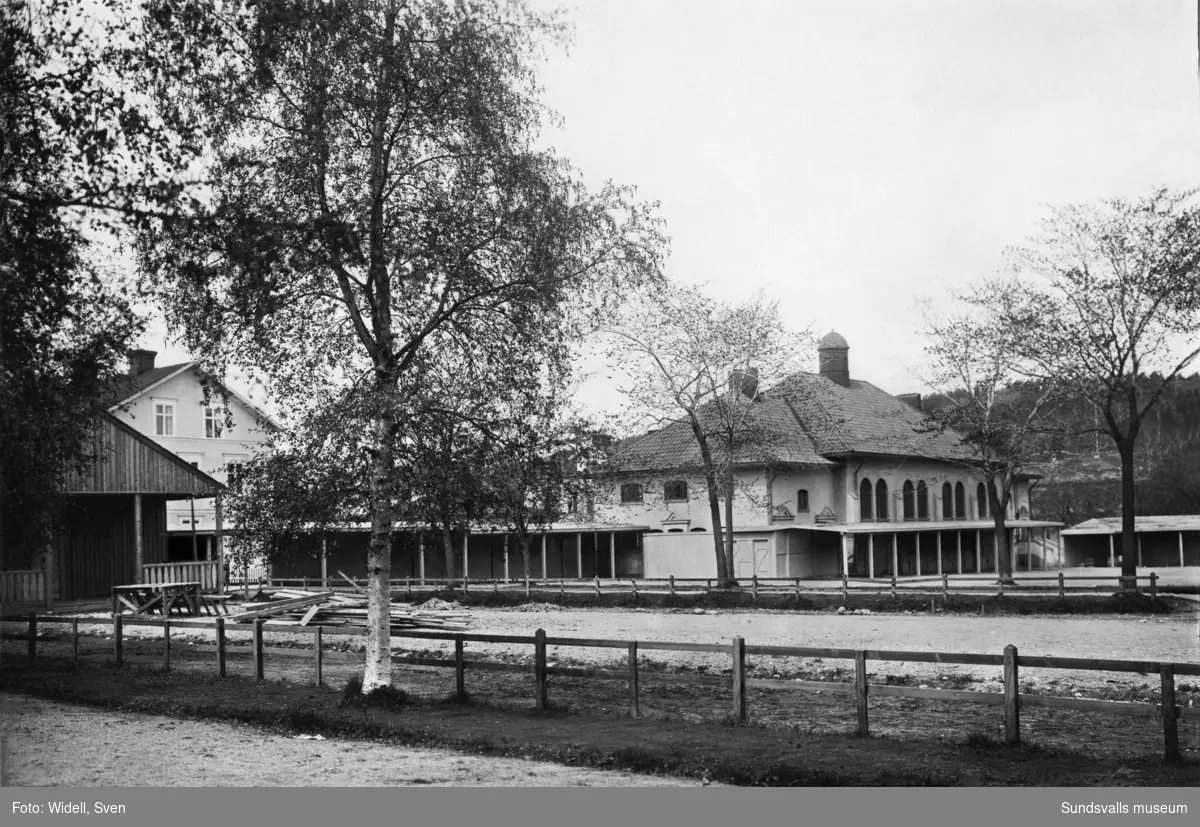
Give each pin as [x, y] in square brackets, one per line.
[811, 419]
[126, 387]
[1112, 525]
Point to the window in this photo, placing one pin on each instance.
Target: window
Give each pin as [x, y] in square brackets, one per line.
[213, 419]
[674, 491]
[947, 501]
[960, 501]
[164, 418]
[192, 459]
[631, 492]
[981, 500]
[802, 499]
[922, 500]
[233, 468]
[865, 497]
[881, 500]
[910, 501]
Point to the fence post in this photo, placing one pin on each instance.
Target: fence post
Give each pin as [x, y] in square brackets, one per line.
[739, 679]
[633, 679]
[1012, 702]
[1153, 586]
[32, 637]
[258, 648]
[1062, 587]
[527, 593]
[845, 587]
[75, 639]
[860, 691]
[539, 668]
[166, 644]
[118, 652]
[945, 586]
[318, 654]
[221, 648]
[597, 587]
[1169, 713]
[460, 669]
[671, 580]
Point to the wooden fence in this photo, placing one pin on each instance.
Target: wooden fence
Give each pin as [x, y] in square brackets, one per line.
[738, 651]
[754, 586]
[23, 588]
[204, 572]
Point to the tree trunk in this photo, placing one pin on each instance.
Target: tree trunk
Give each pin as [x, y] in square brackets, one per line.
[1004, 558]
[730, 568]
[523, 542]
[378, 669]
[1128, 524]
[724, 572]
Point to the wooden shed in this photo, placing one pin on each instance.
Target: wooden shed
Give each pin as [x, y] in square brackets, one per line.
[116, 521]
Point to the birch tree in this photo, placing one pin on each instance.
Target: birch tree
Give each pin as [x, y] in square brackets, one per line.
[693, 360]
[376, 204]
[1106, 303]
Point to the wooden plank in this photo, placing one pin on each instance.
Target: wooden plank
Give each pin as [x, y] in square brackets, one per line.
[961, 695]
[356, 587]
[1133, 710]
[1090, 664]
[312, 610]
[579, 672]
[277, 607]
[835, 687]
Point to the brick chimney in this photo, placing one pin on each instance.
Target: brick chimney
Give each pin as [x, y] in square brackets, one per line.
[911, 399]
[745, 381]
[834, 357]
[141, 361]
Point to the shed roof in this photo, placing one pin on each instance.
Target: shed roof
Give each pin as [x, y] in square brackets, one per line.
[1142, 525]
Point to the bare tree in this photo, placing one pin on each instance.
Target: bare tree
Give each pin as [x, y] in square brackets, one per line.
[702, 363]
[1105, 303]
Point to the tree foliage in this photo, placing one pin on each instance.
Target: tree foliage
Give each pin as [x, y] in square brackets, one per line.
[379, 213]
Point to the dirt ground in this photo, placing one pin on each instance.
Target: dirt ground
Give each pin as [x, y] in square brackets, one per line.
[915, 741]
[56, 744]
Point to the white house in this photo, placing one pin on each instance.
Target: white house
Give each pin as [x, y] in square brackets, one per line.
[855, 482]
[169, 404]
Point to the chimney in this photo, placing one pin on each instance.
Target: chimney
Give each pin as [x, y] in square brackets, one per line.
[913, 399]
[745, 381]
[834, 357]
[141, 361]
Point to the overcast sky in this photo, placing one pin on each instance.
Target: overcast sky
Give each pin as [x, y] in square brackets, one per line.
[853, 157]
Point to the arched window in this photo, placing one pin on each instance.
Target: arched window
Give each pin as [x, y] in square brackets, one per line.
[865, 510]
[947, 501]
[981, 498]
[802, 499]
[910, 505]
[960, 501]
[881, 500]
[922, 500]
[675, 491]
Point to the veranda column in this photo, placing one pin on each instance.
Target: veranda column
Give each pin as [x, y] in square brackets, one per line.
[219, 543]
[466, 554]
[978, 552]
[1139, 538]
[958, 537]
[579, 555]
[505, 558]
[939, 553]
[918, 541]
[139, 551]
[895, 552]
[421, 557]
[847, 546]
[612, 554]
[871, 555]
[325, 563]
[1181, 549]
[544, 555]
[1112, 553]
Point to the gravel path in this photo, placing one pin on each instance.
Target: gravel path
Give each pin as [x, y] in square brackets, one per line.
[55, 744]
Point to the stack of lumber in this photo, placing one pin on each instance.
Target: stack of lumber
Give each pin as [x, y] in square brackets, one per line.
[301, 608]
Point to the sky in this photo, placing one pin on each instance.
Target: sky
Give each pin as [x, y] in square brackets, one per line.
[853, 158]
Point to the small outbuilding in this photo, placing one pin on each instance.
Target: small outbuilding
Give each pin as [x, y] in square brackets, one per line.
[1162, 542]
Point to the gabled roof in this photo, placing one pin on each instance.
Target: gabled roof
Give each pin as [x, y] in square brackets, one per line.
[129, 388]
[817, 421]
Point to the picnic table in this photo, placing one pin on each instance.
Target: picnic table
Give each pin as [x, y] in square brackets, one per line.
[161, 598]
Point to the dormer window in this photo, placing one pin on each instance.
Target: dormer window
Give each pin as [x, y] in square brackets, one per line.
[675, 491]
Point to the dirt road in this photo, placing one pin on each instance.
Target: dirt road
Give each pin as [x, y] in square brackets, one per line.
[55, 744]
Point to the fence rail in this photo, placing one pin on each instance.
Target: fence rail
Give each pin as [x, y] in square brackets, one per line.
[753, 585]
[23, 588]
[1011, 662]
[204, 572]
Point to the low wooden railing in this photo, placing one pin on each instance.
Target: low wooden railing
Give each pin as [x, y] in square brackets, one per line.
[204, 572]
[1167, 711]
[23, 588]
